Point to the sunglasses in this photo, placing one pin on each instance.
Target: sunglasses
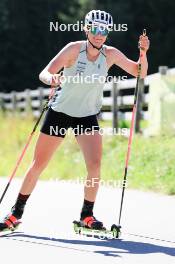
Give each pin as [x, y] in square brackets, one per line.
[95, 30]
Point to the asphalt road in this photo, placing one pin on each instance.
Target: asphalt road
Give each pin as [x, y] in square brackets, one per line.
[46, 234]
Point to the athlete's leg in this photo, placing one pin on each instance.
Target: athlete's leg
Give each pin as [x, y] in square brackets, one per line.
[91, 146]
[45, 148]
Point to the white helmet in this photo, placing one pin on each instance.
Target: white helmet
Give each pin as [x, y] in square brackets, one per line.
[98, 17]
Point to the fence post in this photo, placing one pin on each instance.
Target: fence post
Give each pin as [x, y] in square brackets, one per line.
[114, 106]
[139, 106]
[14, 100]
[163, 70]
[40, 98]
[28, 101]
[2, 106]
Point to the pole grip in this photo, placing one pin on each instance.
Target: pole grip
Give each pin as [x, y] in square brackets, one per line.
[142, 49]
[141, 55]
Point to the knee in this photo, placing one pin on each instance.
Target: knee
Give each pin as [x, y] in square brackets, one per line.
[94, 165]
[38, 165]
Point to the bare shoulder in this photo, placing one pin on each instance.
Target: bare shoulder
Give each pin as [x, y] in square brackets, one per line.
[74, 47]
[72, 51]
[111, 51]
[112, 55]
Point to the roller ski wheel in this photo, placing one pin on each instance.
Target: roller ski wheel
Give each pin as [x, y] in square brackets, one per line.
[116, 231]
[9, 224]
[77, 227]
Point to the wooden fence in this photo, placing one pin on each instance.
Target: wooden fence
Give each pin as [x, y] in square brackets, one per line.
[117, 101]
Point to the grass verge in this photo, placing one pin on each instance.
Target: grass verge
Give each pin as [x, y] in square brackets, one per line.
[151, 165]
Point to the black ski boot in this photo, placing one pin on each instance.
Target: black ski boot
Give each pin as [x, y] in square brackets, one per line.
[12, 220]
[92, 223]
[9, 223]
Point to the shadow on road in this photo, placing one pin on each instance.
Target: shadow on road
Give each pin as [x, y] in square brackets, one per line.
[113, 248]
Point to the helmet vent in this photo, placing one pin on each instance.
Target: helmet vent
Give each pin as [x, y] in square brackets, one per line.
[92, 15]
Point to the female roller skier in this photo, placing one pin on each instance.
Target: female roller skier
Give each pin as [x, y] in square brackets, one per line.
[76, 105]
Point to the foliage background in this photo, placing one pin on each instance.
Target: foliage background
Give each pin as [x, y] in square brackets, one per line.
[27, 44]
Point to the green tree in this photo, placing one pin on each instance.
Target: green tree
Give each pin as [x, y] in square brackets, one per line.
[27, 44]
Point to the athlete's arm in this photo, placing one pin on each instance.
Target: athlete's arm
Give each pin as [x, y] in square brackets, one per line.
[117, 57]
[65, 58]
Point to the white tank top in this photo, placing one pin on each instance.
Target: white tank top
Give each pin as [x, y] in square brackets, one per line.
[82, 86]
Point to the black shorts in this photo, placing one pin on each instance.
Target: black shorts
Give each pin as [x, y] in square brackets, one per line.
[57, 124]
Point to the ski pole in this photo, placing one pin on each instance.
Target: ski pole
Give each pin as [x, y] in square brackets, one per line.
[131, 131]
[26, 145]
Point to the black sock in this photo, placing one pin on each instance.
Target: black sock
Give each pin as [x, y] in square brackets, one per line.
[87, 209]
[18, 208]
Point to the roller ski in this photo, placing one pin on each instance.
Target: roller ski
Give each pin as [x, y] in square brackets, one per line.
[9, 224]
[90, 226]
